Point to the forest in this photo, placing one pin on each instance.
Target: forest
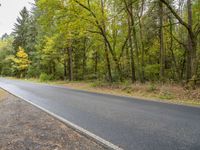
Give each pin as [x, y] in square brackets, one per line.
[105, 40]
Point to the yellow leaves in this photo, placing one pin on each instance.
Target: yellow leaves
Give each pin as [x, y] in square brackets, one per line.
[21, 61]
[49, 45]
[21, 53]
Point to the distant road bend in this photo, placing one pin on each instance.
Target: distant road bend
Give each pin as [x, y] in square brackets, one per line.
[127, 122]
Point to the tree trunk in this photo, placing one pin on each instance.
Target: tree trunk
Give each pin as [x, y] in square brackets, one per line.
[136, 46]
[70, 65]
[129, 8]
[101, 26]
[133, 78]
[176, 69]
[105, 45]
[84, 59]
[192, 45]
[96, 64]
[65, 69]
[191, 66]
[108, 63]
[65, 64]
[161, 37]
[142, 48]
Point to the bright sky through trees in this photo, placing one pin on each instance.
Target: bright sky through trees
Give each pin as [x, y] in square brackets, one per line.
[9, 11]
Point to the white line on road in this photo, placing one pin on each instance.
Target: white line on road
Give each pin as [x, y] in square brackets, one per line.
[81, 130]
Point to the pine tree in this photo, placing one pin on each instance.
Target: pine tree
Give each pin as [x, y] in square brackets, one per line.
[21, 29]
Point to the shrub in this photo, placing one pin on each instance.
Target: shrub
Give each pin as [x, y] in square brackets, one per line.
[45, 77]
[152, 72]
[33, 72]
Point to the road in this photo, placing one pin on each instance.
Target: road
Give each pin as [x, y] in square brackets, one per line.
[127, 122]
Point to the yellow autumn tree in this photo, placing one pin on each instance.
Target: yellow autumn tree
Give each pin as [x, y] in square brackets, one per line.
[21, 62]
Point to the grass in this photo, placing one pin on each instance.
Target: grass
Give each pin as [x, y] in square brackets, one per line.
[168, 92]
[166, 95]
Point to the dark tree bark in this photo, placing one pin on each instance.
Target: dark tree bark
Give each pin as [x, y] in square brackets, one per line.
[84, 59]
[65, 68]
[133, 78]
[96, 64]
[70, 64]
[192, 43]
[105, 45]
[142, 42]
[129, 8]
[161, 38]
[176, 69]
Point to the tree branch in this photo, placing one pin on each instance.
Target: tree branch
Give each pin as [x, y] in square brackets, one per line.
[175, 14]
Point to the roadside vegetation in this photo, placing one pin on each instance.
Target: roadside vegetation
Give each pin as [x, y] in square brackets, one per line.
[145, 48]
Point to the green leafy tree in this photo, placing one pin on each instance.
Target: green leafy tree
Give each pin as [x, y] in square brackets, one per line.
[6, 50]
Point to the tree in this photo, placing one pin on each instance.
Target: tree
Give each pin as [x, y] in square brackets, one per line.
[111, 40]
[21, 62]
[161, 37]
[192, 38]
[6, 51]
[21, 29]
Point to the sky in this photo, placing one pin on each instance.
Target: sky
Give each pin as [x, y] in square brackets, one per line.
[9, 11]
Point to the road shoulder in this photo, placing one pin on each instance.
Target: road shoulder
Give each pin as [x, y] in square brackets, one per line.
[23, 126]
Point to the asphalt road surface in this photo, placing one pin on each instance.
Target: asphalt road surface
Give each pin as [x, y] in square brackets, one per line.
[127, 122]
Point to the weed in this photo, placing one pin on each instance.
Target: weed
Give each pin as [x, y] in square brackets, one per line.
[127, 89]
[151, 88]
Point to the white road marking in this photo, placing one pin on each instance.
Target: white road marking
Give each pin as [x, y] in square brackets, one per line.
[81, 130]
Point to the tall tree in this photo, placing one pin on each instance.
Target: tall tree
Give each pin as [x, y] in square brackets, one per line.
[21, 29]
[192, 38]
[161, 37]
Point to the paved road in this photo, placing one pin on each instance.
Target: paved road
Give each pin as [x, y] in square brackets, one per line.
[130, 123]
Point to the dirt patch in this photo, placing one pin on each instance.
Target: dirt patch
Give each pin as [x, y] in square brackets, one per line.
[3, 95]
[24, 127]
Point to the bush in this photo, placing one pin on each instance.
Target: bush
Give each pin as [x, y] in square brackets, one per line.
[6, 71]
[152, 72]
[45, 77]
[33, 72]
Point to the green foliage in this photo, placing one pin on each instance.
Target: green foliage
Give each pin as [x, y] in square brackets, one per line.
[87, 40]
[152, 72]
[33, 72]
[6, 52]
[21, 29]
[45, 77]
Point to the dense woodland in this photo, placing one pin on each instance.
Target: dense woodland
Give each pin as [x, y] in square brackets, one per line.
[106, 40]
